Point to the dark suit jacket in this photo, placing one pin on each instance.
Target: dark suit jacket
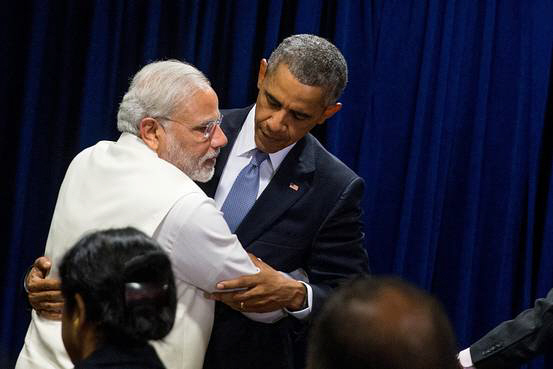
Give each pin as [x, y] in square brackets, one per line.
[516, 341]
[316, 227]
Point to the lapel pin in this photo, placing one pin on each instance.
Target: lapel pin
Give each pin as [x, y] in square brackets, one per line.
[294, 186]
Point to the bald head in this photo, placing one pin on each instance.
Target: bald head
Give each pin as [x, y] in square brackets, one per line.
[382, 324]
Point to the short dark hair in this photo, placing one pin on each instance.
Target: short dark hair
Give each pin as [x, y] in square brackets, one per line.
[99, 268]
[313, 61]
[381, 323]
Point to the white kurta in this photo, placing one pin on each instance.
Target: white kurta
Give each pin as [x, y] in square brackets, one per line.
[124, 183]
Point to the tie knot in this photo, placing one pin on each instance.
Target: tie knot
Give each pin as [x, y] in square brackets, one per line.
[259, 157]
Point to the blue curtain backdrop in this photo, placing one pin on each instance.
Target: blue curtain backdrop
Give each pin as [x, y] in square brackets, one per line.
[448, 117]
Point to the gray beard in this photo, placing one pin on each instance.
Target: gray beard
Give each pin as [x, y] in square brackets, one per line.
[191, 166]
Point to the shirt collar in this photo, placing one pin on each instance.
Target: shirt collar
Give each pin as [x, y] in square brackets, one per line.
[245, 142]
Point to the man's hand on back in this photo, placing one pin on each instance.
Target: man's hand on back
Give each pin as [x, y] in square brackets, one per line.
[44, 293]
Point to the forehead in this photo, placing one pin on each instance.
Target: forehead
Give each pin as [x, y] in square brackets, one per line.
[282, 85]
[201, 105]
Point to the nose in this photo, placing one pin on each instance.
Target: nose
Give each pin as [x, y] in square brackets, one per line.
[219, 139]
[277, 123]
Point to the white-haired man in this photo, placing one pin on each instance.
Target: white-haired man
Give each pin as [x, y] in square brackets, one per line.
[169, 120]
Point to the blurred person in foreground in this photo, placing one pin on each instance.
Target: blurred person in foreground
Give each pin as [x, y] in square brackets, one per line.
[381, 323]
[119, 293]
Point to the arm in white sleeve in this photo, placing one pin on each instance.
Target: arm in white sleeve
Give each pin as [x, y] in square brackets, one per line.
[201, 247]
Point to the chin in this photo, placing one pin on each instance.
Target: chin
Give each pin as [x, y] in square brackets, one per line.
[204, 175]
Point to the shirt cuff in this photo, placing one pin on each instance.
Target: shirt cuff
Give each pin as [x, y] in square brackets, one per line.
[465, 359]
[267, 318]
[304, 313]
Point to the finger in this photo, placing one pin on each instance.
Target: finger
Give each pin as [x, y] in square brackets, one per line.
[44, 264]
[246, 295]
[36, 273]
[253, 258]
[257, 261]
[52, 306]
[226, 297]
[35, 284]
[260, 308]
[235, 306]
[237, 297]
[46, 296]
[250, 295]
[49, 314]
[48, 306]
[245, 281]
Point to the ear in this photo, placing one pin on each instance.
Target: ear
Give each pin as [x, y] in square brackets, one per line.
[151, 133]
[79, 315]
[330, 111]
[262, 71]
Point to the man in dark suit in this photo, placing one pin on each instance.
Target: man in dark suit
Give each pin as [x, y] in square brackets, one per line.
[514, 342]
[306, 219]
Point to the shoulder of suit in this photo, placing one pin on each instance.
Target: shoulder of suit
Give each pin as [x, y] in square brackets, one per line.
[236, 111]
[327, 162]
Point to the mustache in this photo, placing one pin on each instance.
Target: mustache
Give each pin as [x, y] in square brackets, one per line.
[212, 155]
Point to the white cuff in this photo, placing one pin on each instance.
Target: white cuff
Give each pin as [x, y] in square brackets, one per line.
[268, 318]
[304, 313]
[465, 359]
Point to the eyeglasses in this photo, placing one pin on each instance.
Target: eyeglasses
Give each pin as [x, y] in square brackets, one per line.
[206, 129]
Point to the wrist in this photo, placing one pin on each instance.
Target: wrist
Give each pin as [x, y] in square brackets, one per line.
[298, 300]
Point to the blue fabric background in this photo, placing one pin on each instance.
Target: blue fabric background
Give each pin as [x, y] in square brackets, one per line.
[447, 116]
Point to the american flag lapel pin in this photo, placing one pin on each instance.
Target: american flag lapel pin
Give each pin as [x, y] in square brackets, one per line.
[294, 186]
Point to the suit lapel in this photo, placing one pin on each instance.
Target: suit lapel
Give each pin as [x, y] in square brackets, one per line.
[291, 181]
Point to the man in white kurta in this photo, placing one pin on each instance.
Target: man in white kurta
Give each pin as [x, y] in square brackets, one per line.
[128, 183]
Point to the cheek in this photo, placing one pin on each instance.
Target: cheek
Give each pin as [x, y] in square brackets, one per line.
[262, 113]
[68, 337]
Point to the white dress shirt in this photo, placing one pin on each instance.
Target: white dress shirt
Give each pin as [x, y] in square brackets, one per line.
[240, 156]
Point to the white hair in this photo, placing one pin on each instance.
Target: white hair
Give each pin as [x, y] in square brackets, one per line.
[156, 90]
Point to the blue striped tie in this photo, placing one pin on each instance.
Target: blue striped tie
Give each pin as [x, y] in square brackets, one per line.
[243, 193]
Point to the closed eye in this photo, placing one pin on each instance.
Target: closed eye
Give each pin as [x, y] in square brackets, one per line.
[273, 103]
[300, 116]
